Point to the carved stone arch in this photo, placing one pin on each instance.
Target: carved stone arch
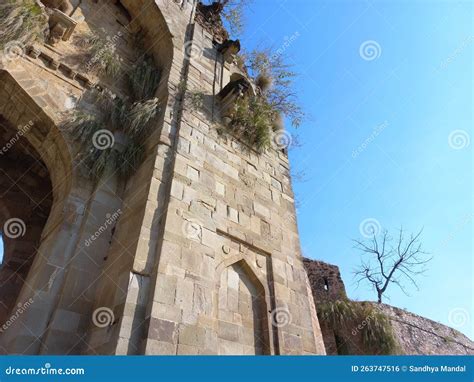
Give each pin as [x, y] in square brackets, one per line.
[242, 309]
[241, 258]
[38, 127]
[238, 85]
[155, 22]
[157, 28]
[237, 75]
[43, 206]
[130, 271]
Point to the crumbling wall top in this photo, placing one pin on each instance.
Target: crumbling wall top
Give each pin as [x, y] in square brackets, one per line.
[325, 279]
[209, 17]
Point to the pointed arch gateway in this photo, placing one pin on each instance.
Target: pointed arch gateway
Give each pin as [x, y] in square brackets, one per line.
[35, 188]
[242, 310]
[25, 204]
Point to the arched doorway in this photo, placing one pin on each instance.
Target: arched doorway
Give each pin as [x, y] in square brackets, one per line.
[26, 197]
[36, 186]
[242, 312]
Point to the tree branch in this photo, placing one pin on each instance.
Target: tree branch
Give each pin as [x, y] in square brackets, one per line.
[406, 257]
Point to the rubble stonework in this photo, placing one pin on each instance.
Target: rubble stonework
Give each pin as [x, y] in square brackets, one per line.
[325, 279]
[202, 258]
[419, 335]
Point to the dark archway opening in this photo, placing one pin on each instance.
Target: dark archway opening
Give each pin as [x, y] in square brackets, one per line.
[25, 203]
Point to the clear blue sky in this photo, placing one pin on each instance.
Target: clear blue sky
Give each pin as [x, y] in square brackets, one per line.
[408, 174]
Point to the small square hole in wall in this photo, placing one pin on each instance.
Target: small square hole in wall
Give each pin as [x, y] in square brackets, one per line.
[192, 173]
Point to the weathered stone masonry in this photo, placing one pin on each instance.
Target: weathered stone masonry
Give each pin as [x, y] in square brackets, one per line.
[325, 280]
[204, 258]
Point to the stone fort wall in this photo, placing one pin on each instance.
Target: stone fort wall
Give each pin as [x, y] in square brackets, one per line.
[204, 257]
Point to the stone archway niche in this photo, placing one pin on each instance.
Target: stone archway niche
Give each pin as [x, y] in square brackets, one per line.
[242, 312]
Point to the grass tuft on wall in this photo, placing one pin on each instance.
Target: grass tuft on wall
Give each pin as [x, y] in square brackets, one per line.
[350, 318]
[103, 57]
[144, 79]
[129, 121]
[252, 121]
[22, 22]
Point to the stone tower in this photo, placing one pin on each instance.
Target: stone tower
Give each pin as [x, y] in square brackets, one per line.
[197, 252]
[325, 280]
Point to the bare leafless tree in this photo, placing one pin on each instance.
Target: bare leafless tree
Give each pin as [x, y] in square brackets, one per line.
[391, 261]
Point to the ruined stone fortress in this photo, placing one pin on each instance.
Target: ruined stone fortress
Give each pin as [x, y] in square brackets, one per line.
[195, 248]
[196, 252]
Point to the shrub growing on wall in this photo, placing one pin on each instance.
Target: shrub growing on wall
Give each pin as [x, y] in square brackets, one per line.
[126, 120]
[102, 55]
[256, 118]
[351, 318]
[21, 22]
[251, 121]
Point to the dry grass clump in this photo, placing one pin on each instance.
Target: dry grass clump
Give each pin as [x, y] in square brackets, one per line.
[126, 123]
[22, 22]
[347, 317]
